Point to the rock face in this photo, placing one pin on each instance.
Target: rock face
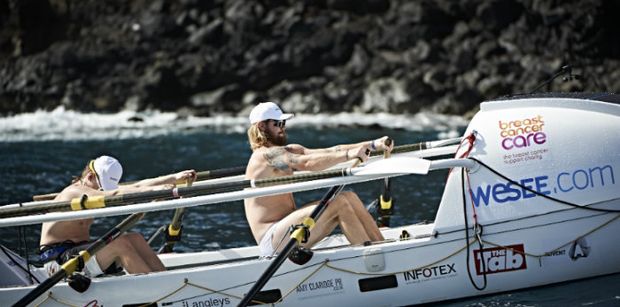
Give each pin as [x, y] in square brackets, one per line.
[222, 56]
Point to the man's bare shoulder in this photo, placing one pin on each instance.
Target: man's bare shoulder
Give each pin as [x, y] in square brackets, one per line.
[268, 162]
[295, 148]
[74, 191]
[280, 159]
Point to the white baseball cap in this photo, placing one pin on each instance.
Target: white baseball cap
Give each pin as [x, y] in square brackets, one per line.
[108, 171]
[268, 110]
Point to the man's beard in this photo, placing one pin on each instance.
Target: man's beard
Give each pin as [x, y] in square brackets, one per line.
[275, 139]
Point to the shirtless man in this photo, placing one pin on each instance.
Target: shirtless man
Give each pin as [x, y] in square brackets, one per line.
[61, 240]
[271, 216]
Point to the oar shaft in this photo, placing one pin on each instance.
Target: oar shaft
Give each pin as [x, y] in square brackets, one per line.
[385, 198]
[173, 231]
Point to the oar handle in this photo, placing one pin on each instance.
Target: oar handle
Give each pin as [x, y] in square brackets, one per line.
[219, 173]
[387, 143]
[420, 146]
[43, 197]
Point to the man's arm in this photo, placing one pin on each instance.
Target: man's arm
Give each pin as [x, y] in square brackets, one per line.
[377, 144]
[161, 180]
[151, 184]
[295, 157]
[285, 160]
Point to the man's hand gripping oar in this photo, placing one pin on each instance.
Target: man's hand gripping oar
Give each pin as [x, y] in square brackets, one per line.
[77, 263]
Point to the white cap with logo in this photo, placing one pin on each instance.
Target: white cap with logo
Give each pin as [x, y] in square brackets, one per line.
[108, 171]
[268, 110]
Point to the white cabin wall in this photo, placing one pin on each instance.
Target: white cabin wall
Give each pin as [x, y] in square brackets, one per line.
[581, 140]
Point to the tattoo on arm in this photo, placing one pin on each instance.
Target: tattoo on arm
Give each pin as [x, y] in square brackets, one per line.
[276, 157]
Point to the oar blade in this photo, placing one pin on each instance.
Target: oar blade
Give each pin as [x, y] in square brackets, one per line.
[395, 165]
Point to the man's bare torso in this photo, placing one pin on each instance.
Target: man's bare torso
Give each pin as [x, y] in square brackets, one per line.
[74, 230]
[262, 212]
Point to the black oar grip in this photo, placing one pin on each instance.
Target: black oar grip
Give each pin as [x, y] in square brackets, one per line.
[218, 173]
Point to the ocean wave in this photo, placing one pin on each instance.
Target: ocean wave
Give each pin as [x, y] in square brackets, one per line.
[67, 125]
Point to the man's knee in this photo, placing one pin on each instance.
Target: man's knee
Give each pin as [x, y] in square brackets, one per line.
[353, 196]
[133, 237]
[122, 244]
[344, 207]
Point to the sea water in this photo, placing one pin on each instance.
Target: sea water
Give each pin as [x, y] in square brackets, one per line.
[40, 152]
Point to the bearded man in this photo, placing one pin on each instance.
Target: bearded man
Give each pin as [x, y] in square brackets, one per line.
[271, 216]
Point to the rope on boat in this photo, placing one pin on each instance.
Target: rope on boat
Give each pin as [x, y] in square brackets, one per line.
[323, 264]
[539, 256]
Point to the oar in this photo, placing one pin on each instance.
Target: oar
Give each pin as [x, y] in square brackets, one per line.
[296, 238]
[385, 199]
[173, 231]
[75, 263]
[239, 170]
[395, 166]
[200, 176]
[125, 199]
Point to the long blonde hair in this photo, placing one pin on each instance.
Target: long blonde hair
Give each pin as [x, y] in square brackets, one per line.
[87, 169]
[257, 137]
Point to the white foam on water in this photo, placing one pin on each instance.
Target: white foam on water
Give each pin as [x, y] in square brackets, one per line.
[67, 125]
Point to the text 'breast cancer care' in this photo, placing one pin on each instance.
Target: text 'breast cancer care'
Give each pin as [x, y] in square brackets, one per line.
[522, 133]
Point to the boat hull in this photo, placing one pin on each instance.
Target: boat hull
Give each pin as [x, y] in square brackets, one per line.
[403, 272]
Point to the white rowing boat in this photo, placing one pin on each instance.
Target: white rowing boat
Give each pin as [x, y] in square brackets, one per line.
[543, 208]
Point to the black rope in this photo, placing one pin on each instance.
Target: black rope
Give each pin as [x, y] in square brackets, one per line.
[27, 252]
[478, 234]
[585, 207]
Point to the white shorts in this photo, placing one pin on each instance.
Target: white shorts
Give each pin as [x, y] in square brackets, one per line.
[265, 245]
[91, 267]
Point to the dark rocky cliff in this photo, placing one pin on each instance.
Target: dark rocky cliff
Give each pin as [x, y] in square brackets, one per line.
[208, 57]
